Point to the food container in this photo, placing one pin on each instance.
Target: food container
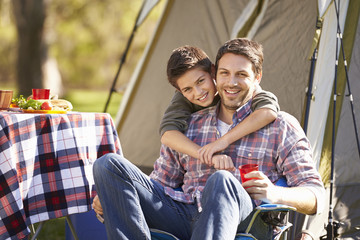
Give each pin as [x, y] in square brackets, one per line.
[5, 98]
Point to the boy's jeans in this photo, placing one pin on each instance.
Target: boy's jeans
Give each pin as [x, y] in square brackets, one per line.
[133, 203]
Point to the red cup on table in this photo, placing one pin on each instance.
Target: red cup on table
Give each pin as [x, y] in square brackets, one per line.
[244, 169]
[40, 93]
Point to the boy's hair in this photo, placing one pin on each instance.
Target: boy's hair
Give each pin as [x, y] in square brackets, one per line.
[245, 47]
[184, 59]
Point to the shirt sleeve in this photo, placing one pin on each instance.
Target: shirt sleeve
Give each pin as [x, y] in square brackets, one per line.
[296, 163]
[167, 170]
[177, 114]
[265, 99]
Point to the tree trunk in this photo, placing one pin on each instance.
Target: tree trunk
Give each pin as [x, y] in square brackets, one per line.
[30, 17]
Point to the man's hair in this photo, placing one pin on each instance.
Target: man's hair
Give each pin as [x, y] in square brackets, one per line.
[250, 49]
[184, 59]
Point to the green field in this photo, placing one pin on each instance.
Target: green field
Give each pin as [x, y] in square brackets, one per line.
[93, 101]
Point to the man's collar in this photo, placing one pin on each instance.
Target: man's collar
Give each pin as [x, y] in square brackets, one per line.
[240, 114]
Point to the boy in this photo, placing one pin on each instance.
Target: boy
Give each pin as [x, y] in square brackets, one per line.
[192, 63]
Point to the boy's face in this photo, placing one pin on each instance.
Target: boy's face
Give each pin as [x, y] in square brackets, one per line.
[235, 80]
[197, 86]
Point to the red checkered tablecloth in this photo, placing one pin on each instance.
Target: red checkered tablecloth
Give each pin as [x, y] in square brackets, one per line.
[46, 166]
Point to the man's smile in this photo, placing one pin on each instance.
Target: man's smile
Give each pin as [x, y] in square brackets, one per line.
[232, 91]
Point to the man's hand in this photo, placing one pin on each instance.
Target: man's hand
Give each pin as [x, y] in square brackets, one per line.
[262, 188]
[207, 151]
[223, 162]
[97, 205]
[305, 236]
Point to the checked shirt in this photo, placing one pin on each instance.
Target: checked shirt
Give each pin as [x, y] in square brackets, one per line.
[280, 149]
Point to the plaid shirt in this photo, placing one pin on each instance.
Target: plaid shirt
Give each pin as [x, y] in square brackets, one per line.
[280, 149]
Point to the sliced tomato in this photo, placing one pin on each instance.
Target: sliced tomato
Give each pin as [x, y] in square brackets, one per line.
[46, 106]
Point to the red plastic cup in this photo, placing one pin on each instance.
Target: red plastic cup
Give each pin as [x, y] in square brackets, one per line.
[244, 169]
[40, 93]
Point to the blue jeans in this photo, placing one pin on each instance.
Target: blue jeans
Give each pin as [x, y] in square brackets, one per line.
[133, 203]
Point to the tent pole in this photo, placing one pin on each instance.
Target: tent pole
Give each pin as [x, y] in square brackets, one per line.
[309, 94]
[349, 89]
[309, 90]
[123, 59]
[332, 226]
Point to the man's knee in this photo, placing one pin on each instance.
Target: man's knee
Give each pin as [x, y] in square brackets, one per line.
[223, 181]
[102, 164]
[221, 177]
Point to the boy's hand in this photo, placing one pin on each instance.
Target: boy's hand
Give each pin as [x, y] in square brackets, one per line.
[223, 162]
[207, 151]
[97, 205]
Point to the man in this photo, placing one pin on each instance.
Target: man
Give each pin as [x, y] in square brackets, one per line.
[213, 204]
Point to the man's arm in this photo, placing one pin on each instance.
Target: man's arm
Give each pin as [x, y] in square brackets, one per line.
[261, 188]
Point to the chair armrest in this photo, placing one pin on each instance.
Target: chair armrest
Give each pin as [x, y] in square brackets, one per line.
[275, 207]
[268, 208]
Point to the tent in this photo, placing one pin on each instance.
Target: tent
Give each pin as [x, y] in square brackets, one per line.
[289, 30]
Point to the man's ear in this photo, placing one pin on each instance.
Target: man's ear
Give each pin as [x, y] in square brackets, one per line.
[258, 77]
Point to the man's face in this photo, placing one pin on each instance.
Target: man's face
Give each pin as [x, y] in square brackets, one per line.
[197, 86]
[235, 80]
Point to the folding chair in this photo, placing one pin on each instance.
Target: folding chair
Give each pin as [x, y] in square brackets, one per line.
[280, 222]
[264, 208]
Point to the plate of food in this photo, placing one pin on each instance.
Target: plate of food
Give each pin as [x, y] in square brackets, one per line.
[54, 106]
[44, 111]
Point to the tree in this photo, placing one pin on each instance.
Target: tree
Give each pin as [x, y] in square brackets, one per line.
[30, 17]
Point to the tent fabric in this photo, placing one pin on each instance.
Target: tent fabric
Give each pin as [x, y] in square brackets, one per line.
[208, 24]
[323, 79]
[244, 18]
[147, 6]
[323, 5]
[348, 42]
[286, 30]
[203, 23]
[347, 161]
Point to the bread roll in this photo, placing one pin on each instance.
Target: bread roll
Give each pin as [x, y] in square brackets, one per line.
[59, 104]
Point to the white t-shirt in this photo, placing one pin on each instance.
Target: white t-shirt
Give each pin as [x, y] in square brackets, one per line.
[222, 127]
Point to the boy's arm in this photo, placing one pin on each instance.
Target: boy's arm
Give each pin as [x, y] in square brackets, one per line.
[174, 124]
[177, 114]
[180, 143]
[265, 107]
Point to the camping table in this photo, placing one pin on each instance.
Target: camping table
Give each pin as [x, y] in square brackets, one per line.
[46, 165]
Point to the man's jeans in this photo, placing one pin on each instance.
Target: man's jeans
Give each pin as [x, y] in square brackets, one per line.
[133, 203]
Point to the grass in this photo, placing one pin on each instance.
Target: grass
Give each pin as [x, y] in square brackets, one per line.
[82, 101]
[53, 229]
[93, 101]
